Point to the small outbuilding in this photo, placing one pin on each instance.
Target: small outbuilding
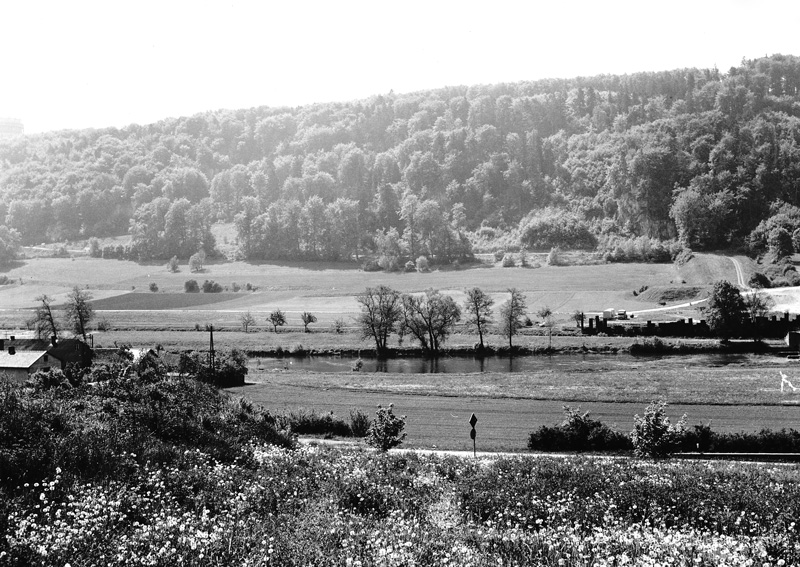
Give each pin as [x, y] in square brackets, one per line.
[609, 313]
[17, 366]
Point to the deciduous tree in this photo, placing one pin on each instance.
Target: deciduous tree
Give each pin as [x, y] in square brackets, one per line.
[307, 319]
[247, 320]
[725, 309]
[44, 321]
[277, 319]
[511, 313]
[430, 318]
[478, 306]
[79, 311]
[381, 310]
[546, 315]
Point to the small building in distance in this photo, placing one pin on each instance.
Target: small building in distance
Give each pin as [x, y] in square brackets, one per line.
[17, 366]
[11, 127]
[67, 351]
[71, 351]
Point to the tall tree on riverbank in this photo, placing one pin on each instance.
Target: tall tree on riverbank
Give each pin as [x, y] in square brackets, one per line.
[478, 306]
[510, 314]
[381, 309]
[430, 318]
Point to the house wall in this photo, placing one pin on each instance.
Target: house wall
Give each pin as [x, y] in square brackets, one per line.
[46, 362]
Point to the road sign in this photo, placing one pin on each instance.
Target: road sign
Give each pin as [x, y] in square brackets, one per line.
[472, 421]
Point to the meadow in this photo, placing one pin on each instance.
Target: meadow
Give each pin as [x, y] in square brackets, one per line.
[732, 399]
[121, 288]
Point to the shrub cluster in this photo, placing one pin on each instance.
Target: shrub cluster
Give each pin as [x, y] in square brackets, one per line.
[641, 249]
[578, 432]
[210, 286]
[103, 430]
[310, 422]
[655, 436]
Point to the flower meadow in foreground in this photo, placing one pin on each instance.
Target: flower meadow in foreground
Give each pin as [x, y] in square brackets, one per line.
[321, 506]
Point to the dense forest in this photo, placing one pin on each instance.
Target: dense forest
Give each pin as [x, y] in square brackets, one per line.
[698, 157]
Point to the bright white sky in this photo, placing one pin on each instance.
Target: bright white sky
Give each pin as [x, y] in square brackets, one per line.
[81, 64]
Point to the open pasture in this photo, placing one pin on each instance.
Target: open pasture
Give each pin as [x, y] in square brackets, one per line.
[328, 289]
[510, 406]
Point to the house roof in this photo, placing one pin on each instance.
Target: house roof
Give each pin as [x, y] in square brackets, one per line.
[22, 359]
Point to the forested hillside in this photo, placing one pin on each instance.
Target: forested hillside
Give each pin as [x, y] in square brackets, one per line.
[708, 158]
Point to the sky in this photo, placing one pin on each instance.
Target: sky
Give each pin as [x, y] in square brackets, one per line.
[93, 64]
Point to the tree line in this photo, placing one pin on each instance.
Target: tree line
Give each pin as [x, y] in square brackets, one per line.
[698, 156]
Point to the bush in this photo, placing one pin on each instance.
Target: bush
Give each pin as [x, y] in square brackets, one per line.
[338, 326]
[554, 257]
[508, 261]
[759, 280]
[103, 325]
[422, 264]
[359, 423]
[389, 263]
[371, 266]
[210, 286]
[653, 435]
[172, 265]
[578, 432]
[153, 287]
[4, 280]
[304, 422]
[95, 251]
[236, 287]
[191, 286]
[386, 431]
[410, 267]
[684, 256]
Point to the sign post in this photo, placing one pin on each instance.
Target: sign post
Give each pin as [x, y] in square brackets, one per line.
[472, 421]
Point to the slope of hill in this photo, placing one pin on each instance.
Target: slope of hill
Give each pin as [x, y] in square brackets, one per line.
[588, 162]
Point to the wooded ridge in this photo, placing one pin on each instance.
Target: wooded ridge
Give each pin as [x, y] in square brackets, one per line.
[706, 158]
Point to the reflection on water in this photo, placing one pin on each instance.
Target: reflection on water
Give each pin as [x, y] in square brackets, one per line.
[465, 364]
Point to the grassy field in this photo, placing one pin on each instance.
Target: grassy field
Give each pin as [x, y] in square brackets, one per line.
[510, 406]
[328, 290]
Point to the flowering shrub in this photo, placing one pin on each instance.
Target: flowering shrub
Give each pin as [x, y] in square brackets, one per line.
[386, 430]
[653, 435]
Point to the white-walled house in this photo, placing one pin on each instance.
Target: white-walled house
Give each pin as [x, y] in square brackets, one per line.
[18, 365]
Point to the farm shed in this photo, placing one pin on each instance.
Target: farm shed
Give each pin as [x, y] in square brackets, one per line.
[609, 313]
[19, 365]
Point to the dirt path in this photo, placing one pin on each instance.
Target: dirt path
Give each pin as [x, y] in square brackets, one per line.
[739, 272]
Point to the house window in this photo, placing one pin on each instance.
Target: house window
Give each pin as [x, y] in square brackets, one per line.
[45, 358]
